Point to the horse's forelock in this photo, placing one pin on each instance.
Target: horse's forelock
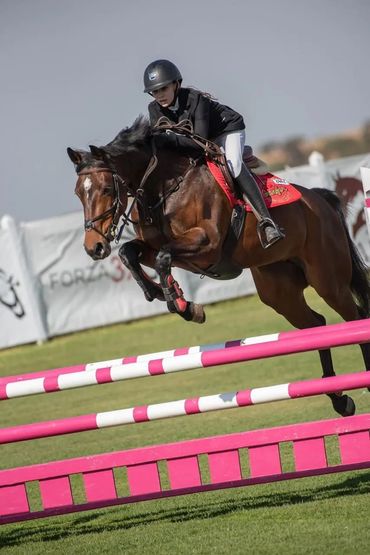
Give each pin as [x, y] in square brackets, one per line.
[88, 161]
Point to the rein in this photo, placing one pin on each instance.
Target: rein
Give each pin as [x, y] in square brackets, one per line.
[185, 127]
[138, 195]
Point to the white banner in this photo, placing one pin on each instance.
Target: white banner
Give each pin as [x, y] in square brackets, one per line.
[80, 293]
[20, 319]
[77, 292]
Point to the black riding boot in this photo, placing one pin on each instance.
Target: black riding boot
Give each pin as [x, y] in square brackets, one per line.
[266, 226]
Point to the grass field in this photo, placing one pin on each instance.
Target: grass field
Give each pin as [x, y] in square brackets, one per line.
[327, 514]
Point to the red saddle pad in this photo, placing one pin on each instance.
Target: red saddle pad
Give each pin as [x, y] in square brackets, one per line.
[275, 190]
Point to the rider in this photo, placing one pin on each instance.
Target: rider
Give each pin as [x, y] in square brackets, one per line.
[210, 120]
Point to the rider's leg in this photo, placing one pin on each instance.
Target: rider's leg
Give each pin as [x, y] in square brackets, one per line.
[251, 191]
[233, 144]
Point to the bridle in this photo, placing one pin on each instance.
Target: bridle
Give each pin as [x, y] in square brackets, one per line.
[112, 232]
[115, 231]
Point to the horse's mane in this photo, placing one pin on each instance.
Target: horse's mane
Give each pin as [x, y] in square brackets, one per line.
[130, 138]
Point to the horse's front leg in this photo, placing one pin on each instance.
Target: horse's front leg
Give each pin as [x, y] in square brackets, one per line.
[173, 294]
[132, 254]
[193, 243]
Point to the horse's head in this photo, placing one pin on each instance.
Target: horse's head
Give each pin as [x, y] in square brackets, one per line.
[106, 176]
[103, 197]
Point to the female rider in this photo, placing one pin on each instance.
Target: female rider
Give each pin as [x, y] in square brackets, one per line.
[211, 120]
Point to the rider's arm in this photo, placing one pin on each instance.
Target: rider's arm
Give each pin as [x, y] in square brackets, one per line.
[174, 141]
[201, 117]
[169, 139]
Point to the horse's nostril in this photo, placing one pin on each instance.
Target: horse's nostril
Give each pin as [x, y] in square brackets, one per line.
[99, 249]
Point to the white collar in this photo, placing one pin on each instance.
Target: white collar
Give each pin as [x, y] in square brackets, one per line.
[175, 107]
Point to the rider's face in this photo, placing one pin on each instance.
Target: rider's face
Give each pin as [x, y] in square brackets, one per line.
[165, 95]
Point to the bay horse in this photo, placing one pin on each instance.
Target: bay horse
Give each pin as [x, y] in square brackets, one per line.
[181, 218]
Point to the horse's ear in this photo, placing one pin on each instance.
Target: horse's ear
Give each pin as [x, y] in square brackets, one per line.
[97, 152]
[74, 155]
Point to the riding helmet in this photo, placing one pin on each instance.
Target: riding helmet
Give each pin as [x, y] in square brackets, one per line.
[160, 73]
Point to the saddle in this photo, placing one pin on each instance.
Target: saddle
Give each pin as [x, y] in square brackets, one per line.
[275, 190]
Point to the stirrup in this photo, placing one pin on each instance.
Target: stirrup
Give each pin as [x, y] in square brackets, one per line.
[269, 233]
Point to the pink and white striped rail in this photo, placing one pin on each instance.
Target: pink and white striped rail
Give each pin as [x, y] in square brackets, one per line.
[166, 362]
[342, 328]
[185, 407]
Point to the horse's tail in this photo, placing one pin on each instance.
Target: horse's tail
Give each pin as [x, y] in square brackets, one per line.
[360, 284]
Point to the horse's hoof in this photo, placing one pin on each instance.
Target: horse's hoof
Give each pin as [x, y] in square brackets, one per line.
[344, 405]
[192, 313]
[199, 316]
[153, 294]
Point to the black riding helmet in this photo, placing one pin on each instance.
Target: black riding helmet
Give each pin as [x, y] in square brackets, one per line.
[160, 73]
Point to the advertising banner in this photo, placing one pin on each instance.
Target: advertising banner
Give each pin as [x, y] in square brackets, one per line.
[20, 318]
[79, 293]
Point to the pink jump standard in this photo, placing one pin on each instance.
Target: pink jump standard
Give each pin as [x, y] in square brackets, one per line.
[182, 467]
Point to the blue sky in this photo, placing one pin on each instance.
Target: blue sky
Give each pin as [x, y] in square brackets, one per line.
[71, 75]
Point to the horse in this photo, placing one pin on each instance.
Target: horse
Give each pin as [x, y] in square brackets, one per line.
[181, 218]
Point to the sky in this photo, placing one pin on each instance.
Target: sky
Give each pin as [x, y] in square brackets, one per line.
[72, 70]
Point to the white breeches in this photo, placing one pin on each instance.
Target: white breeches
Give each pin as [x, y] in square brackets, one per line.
[233, 146]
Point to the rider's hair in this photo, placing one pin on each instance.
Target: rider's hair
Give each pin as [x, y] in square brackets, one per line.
[203, 93]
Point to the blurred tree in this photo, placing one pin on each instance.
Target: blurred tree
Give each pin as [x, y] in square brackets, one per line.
[295, 150]
[269, 146]
[295, 153]
[341, 146]
[366, 135]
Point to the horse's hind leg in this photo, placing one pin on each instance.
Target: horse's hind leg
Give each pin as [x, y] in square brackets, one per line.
[341, 300]
[281, 286]
[365, 349]
[132, 254]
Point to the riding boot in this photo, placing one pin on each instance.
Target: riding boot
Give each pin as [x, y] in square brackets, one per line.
[266, 226]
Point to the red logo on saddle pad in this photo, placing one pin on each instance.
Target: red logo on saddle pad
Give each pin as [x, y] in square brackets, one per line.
[275, 190]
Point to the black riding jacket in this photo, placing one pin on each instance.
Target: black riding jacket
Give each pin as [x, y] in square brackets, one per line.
[210, 119]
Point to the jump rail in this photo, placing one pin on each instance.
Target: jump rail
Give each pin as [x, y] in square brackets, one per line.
[184, 407]
[177, 360]
[340, 328]
[103, 475]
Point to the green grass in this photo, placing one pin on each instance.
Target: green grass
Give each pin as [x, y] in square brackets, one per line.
[313, 515]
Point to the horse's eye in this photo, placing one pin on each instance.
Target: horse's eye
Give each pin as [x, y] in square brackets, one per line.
[107, 191]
